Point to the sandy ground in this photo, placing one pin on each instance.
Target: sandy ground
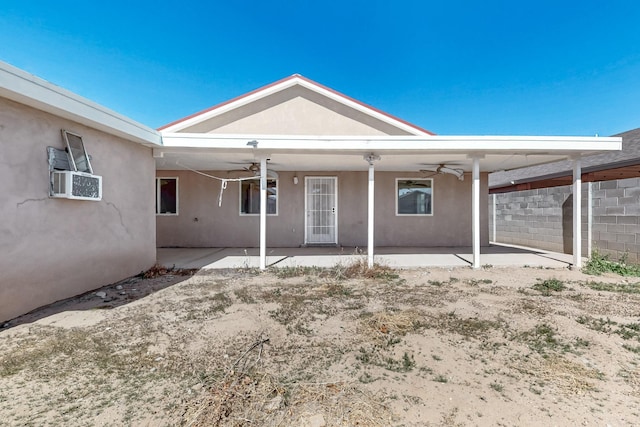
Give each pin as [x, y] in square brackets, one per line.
[500, 346]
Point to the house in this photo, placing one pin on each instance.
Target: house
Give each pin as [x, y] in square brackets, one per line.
[54, 247]
[610, 200]
[337, 172]
[292, 163]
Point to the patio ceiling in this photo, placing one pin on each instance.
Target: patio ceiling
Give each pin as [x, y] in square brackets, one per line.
[408, 153]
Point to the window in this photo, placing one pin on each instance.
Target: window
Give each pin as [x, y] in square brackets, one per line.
[167, 196]
[77, 154]
[250, 197]
[414, 196]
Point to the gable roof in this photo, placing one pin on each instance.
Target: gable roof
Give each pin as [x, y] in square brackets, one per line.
[285, 84]
[628, 156]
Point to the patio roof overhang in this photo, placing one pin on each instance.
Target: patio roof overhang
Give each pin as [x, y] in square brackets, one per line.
[388, 153]
[398, 153]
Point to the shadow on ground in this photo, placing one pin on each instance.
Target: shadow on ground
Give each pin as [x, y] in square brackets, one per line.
[109, 296]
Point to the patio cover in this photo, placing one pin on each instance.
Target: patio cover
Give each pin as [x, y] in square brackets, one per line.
[473, 154]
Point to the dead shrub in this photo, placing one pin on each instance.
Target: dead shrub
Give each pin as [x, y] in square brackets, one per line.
[383, 324]
[569, 377]
[261, 399]
[159, 270]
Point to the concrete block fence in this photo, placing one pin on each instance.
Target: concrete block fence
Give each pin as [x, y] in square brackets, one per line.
[543, 218]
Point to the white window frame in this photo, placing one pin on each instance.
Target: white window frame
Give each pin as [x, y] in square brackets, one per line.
[158, 196]
[258, 182]
[397, 197]
[77, 152]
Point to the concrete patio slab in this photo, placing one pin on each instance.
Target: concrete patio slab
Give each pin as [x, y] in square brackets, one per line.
[519, 259]
[241, 262]
[322, 261]
[187, 257]
[421, 260]
[396, 257]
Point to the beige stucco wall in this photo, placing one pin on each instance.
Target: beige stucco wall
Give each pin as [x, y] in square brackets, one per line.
[224, 227]
[51, 249]
[296, 111]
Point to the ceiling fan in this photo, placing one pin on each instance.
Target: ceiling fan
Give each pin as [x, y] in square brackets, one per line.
[442, 169]
[254, 168]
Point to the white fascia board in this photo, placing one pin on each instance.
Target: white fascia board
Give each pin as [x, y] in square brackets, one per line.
[400, 144]
[284, 85]
[24, 88]
[362, 108]
[228, 107]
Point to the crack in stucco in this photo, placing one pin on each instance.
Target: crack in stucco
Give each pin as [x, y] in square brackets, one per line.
[120, 216]
[31, 200]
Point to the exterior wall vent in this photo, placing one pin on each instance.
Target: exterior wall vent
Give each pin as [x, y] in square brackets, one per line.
[76, 185]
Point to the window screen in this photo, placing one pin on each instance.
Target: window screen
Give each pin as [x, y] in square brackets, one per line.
[414, 196]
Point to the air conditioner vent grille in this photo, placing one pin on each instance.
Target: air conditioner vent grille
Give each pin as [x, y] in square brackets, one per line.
[76, 185]
[85, 186]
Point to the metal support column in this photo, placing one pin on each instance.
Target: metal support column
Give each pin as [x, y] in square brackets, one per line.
[577, 215]
[475, 212]
[370, 209]
[370, 217]
[263, 213]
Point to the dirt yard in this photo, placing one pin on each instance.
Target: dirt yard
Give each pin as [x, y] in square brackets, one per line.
[339, 347]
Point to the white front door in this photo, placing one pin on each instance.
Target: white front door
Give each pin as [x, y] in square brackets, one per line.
[321, 210]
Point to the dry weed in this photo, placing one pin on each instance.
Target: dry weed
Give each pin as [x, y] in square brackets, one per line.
[262, 399]
[632, 377]
[158, 270]
[384, 323]
[569, 377]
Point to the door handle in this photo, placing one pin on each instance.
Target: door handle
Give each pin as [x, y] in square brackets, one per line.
[333, 210]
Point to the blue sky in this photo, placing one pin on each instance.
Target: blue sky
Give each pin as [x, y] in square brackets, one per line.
[456, 67]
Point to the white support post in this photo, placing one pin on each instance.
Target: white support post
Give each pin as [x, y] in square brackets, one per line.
[577, 212]
[475, 212]
[494, 226]
[589, 218]
[370, 217]
[263, 213]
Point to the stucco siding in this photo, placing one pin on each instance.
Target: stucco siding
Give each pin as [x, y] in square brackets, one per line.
[202, 223]
[56, 248]
[295, 111]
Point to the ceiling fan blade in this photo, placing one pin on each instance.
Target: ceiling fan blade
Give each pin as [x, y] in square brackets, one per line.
[459, 173]
[429, 173]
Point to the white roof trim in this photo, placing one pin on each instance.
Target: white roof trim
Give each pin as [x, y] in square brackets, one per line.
[295, 80]
[473, 145]
[24, 88]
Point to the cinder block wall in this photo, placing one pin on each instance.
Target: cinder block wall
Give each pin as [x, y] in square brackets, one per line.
[616, 209]
[541, 218]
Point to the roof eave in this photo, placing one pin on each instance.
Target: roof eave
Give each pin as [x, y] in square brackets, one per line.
[562, 174]
[24, 88]
[571, 146]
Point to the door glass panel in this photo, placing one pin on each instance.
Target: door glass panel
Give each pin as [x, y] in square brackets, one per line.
[321, 210]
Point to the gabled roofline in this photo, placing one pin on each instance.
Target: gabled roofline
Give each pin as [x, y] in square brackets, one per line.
[286, 83]
[25, 88]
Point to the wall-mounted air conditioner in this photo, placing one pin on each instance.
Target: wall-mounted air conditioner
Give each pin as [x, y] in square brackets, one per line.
[76, 185]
